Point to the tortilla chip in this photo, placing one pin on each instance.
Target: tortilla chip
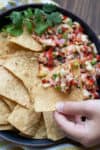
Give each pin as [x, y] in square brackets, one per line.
[46, 99]
[3, 59]
[47, 103]
[18, 49]
[5, 49]
[10, 104]
[4, 112]
[41, 131]
[5, 127]
[12, 88]
[53, 131]
[3, 36]
[26, 41]
[25, 120]
[8, 48]
[3, 45]
[25, 67]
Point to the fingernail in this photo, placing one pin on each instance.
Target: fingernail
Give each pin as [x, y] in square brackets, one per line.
[60, 106]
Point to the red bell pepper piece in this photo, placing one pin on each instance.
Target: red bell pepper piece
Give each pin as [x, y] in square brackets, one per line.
[98, 57]
[49, 55]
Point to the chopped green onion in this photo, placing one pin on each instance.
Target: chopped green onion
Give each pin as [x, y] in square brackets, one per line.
[93, 62]
[59, 31]
[70, 22]
[65, 35]
[55, 76]
[58, 88]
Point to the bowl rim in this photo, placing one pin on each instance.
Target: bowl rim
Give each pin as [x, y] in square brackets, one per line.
[14, 138]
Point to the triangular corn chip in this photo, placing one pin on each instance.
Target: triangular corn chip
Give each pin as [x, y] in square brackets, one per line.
[25, 120]
[4, 112]
[53, 130]
[12, 88]
[41, 131]
[25, 40]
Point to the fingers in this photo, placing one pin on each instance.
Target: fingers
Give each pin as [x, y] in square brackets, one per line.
[68, 118]
[72, 130]
[73, 108]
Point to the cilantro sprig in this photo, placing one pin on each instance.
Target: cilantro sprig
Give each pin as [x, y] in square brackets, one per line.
[37, 20]
[48, 8]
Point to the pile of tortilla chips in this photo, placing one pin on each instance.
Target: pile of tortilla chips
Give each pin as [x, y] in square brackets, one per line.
[25, 105]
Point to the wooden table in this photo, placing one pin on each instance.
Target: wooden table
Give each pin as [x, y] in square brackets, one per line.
[88, 10]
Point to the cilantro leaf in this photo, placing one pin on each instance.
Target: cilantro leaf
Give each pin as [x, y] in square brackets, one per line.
[11, 29]
[28, 13]
[28, 25]
[16, 18]
[48, 8]
[49, 20]
[39, 16]
[41, 19]
[40, 28]
[56, 18]
[70, 22]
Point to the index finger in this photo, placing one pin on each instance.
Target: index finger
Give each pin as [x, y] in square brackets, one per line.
[72, 130]
[73, 108]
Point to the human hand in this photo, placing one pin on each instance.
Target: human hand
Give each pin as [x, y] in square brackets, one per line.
[69, 117]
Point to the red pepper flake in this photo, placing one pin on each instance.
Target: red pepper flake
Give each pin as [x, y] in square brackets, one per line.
[63, 29]
[61, 54]
[78, 30]
[52, 37]
[81, 29]
[91, 82]
[86, 58]
[90, 56]
[65, 17]
[45, 81]
[85, 47]
[49, 55]
[73, 83]
[49, 28]
[98, 57]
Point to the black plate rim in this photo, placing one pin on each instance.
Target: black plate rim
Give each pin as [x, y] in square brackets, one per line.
[45, 143]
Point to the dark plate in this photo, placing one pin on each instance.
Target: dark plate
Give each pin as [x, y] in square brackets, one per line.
[13, 136]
